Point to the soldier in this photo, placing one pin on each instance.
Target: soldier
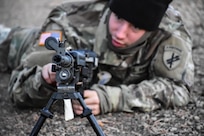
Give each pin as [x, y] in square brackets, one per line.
[145, 56]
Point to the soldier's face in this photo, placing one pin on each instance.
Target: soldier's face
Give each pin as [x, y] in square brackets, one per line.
[123, 33]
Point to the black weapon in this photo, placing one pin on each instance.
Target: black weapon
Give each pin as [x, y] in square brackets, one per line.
[74, 70]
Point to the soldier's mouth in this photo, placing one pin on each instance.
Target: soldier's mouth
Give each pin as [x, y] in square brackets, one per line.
[117, 44]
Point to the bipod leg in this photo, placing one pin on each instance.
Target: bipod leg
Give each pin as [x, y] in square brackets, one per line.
[45, 113]
[88, 113]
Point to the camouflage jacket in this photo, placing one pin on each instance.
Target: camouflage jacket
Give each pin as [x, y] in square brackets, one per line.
[153, 76]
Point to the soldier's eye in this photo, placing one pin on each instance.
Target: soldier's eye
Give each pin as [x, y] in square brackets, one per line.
[118, 17]
[134, 28]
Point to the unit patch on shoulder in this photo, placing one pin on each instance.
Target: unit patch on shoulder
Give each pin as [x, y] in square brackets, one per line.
[45, 35]
[171, 56]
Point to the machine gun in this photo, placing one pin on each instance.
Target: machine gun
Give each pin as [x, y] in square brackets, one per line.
[74, 70]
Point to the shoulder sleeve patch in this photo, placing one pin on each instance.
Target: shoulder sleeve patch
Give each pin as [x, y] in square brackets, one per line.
[172, 57]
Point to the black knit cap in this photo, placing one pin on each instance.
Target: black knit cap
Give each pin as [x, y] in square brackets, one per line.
[144, 14]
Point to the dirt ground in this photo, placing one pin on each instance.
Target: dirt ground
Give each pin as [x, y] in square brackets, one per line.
[185, 121]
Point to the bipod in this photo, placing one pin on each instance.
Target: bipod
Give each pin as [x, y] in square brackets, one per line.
[45, 113]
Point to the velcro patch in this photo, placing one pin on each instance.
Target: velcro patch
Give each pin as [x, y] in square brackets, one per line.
[172, 57]
[45, 35]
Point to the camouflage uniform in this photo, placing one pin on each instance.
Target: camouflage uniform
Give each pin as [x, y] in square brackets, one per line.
[156, 75]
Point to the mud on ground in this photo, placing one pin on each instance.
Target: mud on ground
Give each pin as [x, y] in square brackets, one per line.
[188, 121]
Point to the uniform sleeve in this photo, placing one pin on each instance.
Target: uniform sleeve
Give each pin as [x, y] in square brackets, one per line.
[146, 96]
[28, 89]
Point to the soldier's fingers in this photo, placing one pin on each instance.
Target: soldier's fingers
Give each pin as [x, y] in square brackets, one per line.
[95, 108]
[51, 74]
[77, 107]
[45, 74]
[91, 97]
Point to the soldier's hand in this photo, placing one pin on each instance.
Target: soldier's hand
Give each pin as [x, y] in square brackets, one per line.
[47, 74]
[92, 101]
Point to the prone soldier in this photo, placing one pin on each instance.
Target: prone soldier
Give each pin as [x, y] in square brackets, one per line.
[144, 50]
